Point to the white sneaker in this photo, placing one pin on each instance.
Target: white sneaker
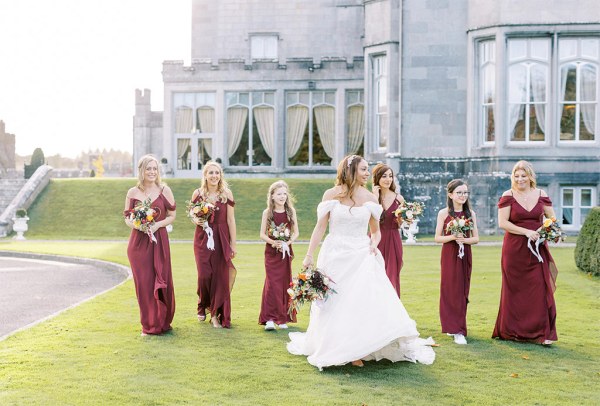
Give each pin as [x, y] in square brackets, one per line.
[460, 339]
[283, 326]
[270, 325]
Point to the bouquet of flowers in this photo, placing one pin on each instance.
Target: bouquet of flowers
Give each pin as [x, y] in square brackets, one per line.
[200, 213]
[459, 226]
[280, 233]
[549, 231]
[142, 216]
[408, 212]
[310, 284]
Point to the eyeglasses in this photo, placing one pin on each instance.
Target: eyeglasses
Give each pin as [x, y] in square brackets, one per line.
[462, 193]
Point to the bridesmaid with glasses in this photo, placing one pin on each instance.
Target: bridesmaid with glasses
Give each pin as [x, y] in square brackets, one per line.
[455, 269]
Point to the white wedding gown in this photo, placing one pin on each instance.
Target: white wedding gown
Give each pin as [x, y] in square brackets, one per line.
[365, 319]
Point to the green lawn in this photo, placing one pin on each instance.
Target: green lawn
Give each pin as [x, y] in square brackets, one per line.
[90, 209]
[93, 354]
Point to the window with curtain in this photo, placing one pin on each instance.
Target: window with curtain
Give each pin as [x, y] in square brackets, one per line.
[250, 128]
[194, 122]
[578, 92]
[263, 46]
[310, 128]
[355, 122]
[576, 203]
[528, 81]
[487, 90]
[380, 103]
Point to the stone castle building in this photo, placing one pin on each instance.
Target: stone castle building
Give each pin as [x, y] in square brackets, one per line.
[7, 150]
[439, 89]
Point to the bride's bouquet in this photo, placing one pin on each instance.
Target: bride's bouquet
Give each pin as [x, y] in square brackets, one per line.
[142, 216]
[281, 233]
[408, 212]
[200, 213]
[549, 231]
[310, 284]
[457, 226]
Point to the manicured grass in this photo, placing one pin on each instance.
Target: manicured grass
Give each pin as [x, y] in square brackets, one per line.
[87, 209]
[93, 354]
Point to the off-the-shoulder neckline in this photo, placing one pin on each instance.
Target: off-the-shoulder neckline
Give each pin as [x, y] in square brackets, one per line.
[350, 207]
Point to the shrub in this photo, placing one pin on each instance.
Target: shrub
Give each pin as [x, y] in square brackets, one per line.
[587, 250]
[20, 213]
[37, 160]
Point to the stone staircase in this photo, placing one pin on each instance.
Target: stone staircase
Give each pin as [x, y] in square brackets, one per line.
[8, 190]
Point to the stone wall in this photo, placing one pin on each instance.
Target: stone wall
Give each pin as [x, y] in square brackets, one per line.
[7, 151]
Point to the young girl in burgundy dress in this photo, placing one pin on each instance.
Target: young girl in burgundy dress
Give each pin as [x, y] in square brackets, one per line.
[279, 229]
[456, 270]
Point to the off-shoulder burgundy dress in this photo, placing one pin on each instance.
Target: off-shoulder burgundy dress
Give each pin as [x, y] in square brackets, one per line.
[390, 245]
[278, 272]
[455, 284]
[527, 308]
[216, 272]
[152, 275]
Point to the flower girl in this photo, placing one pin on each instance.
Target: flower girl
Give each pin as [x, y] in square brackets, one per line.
[279, 229]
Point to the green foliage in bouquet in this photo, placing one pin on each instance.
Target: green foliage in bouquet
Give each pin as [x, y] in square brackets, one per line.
[587, 251]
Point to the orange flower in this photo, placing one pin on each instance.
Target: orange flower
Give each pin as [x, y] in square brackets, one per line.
[205, 210]
[302, 276]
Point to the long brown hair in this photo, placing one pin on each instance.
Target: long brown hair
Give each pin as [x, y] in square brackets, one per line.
[347, 174]
[222, 187]
[378, 172]
[453, 184]
[288, 205]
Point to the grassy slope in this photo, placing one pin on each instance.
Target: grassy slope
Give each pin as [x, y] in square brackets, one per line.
[91, 208]
[93, 353]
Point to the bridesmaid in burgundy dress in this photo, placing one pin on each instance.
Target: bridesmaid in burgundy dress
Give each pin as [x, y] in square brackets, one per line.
[278, 260]
[456, 271]
[151, 261]
[384, 188]
[216, 273]
[527, 308]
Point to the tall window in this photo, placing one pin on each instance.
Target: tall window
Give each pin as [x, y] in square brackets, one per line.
[380, 102]
[576, 203]
[263, 46]
[578, 101]
[250, 128]
[528, 74]
[194, 129]
[487, 89]
[310, 128]
[355, 119]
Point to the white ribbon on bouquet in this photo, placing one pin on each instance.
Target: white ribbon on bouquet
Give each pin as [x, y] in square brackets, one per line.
[210, 242]
[285, 248]
[536, 251]
[151, 235]
[461, 250]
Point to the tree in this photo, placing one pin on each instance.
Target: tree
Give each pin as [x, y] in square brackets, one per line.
[37, 160]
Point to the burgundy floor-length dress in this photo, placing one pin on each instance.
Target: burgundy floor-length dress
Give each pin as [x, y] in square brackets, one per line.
[527, 308]
[278, 270]
[390, 245]
[152, 274]
[216, 272]
[455, 285]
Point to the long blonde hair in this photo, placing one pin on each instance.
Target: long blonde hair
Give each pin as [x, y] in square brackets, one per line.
[142, 164]
[347, 175]
[528, 168]
[288, 205]
[222, 187]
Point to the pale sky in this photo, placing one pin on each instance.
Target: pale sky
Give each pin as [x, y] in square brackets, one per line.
[69, 68]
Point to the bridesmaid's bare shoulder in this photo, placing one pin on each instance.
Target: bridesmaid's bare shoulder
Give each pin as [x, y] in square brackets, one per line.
[133, 193]
[507, 193]
[443, 212]
[543, 193]
[168, 193]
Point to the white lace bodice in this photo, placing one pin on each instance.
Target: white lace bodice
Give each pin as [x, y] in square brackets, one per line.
[346, 221]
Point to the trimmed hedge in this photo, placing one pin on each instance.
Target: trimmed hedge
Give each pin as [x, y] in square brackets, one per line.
[587, 250]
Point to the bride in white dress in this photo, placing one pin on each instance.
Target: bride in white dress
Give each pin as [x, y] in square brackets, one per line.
[365, 319]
